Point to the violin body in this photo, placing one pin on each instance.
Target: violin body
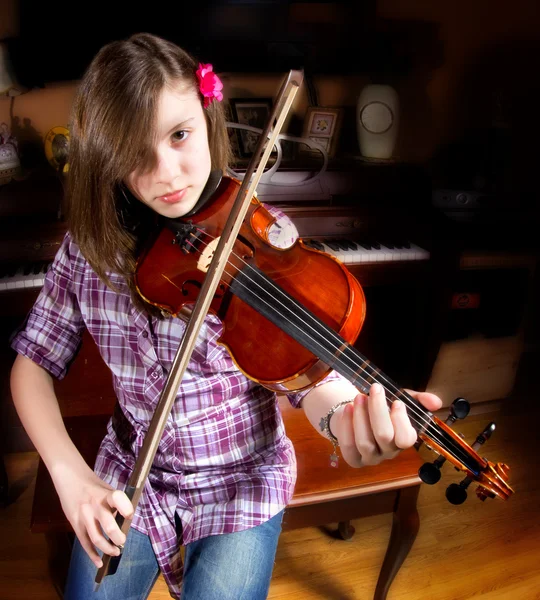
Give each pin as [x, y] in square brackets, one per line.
[170, 273]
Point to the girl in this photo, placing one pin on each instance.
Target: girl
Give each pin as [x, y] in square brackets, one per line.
[147, 137]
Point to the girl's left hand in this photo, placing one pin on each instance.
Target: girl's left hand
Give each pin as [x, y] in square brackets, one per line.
[369, 433]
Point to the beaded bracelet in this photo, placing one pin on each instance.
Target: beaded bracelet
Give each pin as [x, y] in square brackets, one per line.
[324, 424]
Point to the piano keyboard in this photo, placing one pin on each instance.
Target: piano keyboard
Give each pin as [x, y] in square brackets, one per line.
[358, 252]
[31, 275]
[347, 251]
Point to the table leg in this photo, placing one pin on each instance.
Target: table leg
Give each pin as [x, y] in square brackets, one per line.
[345, 530]
[405, 526]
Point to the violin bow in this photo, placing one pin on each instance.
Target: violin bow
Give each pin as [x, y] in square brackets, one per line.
[236, 217]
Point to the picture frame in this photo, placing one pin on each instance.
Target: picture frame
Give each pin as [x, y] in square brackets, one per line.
[249, 111]
[322, 125]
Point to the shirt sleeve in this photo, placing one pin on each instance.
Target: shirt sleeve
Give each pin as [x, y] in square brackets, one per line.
[51, 333]
[283, 234]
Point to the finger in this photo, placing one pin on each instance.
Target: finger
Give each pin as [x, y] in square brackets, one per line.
[95, 532]
[427, 399]
[88, 547]
[118, 500]
[381, 423]
[110, 527]
[363, 433]
[347, 443]
[405, 434]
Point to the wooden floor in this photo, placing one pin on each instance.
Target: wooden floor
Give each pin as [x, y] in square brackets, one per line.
[485, 550]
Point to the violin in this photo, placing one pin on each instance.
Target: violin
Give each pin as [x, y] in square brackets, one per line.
[302, 308]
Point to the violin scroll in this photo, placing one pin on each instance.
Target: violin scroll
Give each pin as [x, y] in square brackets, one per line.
[439, 437]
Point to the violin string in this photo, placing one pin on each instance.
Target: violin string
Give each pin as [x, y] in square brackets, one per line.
[427, 423]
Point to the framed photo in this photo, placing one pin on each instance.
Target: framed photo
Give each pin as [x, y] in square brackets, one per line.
[322, 125]
[250, 111]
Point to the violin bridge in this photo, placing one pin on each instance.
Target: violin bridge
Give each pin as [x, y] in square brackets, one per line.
[206, 255]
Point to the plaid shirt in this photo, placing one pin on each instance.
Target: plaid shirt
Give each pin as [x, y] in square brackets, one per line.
[224, 463]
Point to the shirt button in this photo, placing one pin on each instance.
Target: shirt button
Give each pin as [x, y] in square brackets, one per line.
[145, 334]
[155, 375]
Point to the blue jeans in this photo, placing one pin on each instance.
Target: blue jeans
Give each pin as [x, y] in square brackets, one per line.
[232, 566]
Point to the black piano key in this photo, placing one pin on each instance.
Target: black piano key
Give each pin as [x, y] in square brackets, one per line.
[37, 268]
[388, 245]
[336, 247]
[351, 244]
[314, 244]
[342, 244]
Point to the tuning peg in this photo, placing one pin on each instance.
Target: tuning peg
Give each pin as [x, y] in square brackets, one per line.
[456, 493]
[459, 409]
[430, 473]
[484, 436]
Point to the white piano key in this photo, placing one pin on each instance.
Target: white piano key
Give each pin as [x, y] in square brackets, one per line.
[339, 254]
[420, 253]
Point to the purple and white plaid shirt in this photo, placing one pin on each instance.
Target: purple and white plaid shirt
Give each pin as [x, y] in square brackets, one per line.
[224, 463]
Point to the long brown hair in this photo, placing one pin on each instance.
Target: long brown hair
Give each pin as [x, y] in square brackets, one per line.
[112, 132]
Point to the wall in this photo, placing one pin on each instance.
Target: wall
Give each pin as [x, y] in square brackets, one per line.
[9, 21]
[437, 105]
[490, 46]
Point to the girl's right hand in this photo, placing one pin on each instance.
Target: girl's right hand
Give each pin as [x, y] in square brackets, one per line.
[90, 505]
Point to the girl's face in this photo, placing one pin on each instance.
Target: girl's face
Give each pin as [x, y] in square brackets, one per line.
[183, 156]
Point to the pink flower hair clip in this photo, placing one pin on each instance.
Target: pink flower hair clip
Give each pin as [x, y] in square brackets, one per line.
[209, 84]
